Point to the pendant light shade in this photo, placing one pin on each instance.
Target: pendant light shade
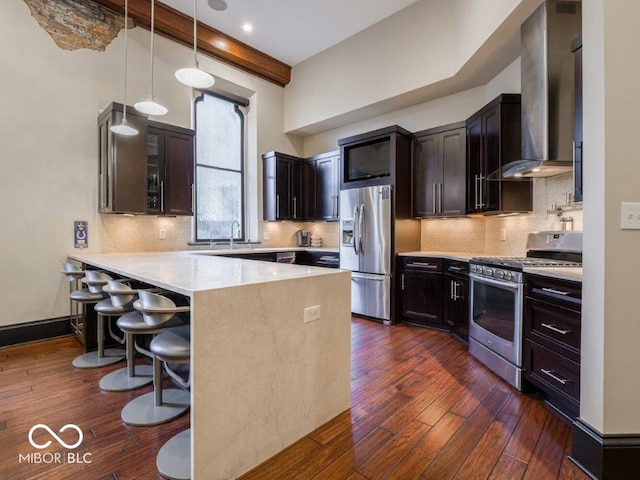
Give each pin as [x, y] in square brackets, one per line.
[150, 106]
[193, 76]
[124, 128]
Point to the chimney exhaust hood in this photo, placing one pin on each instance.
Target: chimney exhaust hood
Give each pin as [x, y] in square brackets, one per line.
[547, 90]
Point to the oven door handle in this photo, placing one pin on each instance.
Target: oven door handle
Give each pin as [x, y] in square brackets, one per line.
[496, 283]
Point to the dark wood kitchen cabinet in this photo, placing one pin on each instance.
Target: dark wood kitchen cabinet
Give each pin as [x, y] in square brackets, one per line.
[327, 186]
[456, 298]
[170, 164]
[282, 187]
[122, 166]
[552, 330]
[439, 171]
[576, 47]
[493, 140]
[421, 291]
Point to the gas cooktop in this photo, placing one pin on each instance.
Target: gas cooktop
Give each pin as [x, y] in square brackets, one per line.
[518, 263]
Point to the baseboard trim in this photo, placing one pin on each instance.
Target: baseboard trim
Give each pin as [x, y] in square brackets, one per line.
[11, 335]
[610, 456]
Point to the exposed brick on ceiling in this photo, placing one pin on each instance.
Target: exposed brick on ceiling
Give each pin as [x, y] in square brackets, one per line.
[75, 24]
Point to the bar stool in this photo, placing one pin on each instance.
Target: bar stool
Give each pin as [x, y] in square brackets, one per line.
[73, 273]
[158, 313]
[173, 348]
[94, 294]
[132, 376]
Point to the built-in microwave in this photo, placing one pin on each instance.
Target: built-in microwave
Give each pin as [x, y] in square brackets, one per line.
[367, 160]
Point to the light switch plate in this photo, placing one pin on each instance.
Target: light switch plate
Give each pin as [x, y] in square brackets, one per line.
[162, 234]
[629, 216]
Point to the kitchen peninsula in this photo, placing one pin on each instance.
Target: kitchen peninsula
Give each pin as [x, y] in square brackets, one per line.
[261, 377]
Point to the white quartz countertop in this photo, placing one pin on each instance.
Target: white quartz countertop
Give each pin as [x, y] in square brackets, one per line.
[193, 271]
[563, 273]
[462, 256]
[244, 249]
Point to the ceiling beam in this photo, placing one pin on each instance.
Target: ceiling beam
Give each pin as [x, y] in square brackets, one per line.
[177, 26]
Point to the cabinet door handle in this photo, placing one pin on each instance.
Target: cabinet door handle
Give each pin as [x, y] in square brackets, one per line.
[555, 329]
[456, 269]
[451, 293]
[193, 197]
[433, 197]
[334, 205]
[475, 191]
[422, 264]
[557, 292]
[551, 374]
[162, 196]
[295, 207]
[481, 203]
[441, 196]
[277, 207]
[402, 282]
[455, 291]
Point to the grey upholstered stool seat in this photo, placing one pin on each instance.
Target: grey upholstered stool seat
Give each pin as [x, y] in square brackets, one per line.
[162, 405]
[95, 281]
[173, 346]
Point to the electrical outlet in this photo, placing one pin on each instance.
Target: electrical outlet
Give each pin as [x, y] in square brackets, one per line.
[266, 236]
[162, 234]
[630, 216]
[311, 314]
[503, 234]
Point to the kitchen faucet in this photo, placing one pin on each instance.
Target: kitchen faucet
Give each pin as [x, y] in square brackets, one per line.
[235, 222]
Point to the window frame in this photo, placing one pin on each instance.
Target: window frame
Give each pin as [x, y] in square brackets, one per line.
[237, 109]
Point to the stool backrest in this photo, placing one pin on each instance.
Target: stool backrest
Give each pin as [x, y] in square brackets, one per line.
[120, 293]
[156, 309]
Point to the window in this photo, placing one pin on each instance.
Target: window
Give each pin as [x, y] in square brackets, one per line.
[219, 169]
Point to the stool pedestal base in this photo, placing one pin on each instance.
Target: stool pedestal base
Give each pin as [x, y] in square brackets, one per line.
[120, 381]
[92, 360]
[174, 458]
[143, 411]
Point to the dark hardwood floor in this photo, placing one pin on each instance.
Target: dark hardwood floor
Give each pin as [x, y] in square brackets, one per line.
[421, 408]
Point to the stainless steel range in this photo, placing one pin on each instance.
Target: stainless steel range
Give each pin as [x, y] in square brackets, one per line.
[497, 294]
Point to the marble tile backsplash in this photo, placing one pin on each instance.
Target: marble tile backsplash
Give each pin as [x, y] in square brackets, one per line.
[483, 234]
[475, 234]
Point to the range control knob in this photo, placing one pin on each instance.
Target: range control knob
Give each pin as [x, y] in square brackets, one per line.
[488, 271]
[508, 276]
[500, 274]
[475, 268]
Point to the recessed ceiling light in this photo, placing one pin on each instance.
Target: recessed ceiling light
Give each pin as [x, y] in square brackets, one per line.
[247, 27]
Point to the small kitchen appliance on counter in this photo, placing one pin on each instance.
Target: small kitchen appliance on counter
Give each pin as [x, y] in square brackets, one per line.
[304, 238]
[496, 294]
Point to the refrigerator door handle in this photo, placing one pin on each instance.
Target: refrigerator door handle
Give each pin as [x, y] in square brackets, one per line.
[355, 229]
[361, 229]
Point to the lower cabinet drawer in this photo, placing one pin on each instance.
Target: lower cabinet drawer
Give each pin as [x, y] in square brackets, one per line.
[552, 372]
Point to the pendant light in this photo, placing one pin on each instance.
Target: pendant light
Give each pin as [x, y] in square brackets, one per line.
[194, 76]
[123, 128]
[150, 106]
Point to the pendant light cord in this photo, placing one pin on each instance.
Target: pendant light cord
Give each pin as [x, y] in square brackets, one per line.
[153, 11]
[195, 28]
[126, 25]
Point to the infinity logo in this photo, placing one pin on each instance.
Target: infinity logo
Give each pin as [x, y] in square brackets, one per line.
[58, 439]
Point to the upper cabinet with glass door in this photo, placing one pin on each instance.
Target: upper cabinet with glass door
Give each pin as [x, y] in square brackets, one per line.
[170, 160]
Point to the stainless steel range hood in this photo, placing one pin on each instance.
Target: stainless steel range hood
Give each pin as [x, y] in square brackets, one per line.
[547, 90]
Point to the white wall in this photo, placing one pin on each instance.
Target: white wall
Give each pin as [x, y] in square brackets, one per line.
[401, 53]
[412, 56]
[610, 392]
[49, 155]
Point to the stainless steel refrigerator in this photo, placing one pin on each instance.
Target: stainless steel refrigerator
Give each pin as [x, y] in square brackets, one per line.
[366, 216]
